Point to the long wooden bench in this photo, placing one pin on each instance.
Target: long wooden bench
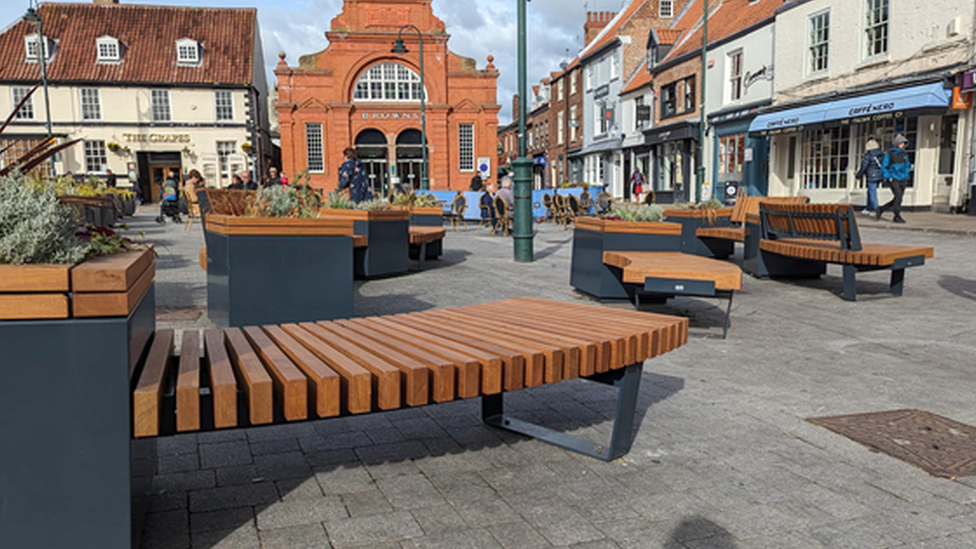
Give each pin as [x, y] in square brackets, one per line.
[665, 275]
[744, 205]
[828, 233]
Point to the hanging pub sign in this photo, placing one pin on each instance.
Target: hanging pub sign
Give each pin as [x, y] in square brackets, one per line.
[969, 80]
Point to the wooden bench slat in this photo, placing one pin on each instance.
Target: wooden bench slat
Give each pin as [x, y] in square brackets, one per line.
[468, 368]
[385, 376]
[35, 278]
[513, 360]
[442, 370]
[256, 380]
[415, 376]
[639, 266]
[33, 306]
[421, 234]
[324, 383]
[223, 382]
[736, 234]
[357, 382]
[147, 398]
[290, 384]
[188, 384]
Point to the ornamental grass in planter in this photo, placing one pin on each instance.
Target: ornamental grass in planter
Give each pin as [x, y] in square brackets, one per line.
[280, 261]
[382, 235]
[692, 217]
[626, 227]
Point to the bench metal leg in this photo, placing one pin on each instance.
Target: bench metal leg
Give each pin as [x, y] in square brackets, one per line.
[627, 380]
[897, 282]
[423, 255]
[728, 317]
[850, 290]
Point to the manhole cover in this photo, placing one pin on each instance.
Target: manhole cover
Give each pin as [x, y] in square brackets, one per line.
[937, 445]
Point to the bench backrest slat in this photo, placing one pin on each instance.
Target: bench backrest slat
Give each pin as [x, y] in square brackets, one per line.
[745, 205]
[835, 222]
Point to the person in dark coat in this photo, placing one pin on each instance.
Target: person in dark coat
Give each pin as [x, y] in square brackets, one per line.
[110, 180]
[477, 183]
[237, 183]
[872, 170]
[896, 170]
[352, 176]
[487, 202]
[273, 180]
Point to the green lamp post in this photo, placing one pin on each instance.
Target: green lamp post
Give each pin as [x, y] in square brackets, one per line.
[700, 180]
[400, 49]
[34, 16]
[523, 165]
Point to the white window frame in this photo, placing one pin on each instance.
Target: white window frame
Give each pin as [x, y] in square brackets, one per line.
[158, 100]
[109, 43]
[560, 90]
[572, 83]
[665, 9]
[31, 42]
[560, 127]
[218, 106]
[873, 25]
[733, 65]
[614, 66]
[815, 42]
[94, 150]
[573, 127]
[589, 77]
[224, 151]
[466, 157]
[388, 82]
[314, 147]
[17, 94]
[188, 46]
[95, 105]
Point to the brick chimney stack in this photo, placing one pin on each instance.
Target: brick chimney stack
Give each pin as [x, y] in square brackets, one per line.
[595, 22]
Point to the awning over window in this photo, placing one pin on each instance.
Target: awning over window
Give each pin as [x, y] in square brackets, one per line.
[855, 110]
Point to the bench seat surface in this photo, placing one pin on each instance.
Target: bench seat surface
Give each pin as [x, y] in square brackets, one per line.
[360, 241]
[304, 371]
[638, 266]
[737, 234]
[421, 234]
[875, 255]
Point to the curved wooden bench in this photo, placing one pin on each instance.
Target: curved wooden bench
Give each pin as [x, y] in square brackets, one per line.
[816, 234]
[297, 372]
[736, 234]
[421, 236]
[672, 274]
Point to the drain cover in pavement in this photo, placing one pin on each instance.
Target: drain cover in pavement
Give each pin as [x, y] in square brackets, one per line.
[937, 445]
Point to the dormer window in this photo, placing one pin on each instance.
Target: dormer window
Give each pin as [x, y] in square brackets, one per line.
[187, 52]
[31, 48]
[109, 50]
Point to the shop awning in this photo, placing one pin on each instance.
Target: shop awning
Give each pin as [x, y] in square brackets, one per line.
[865, 108]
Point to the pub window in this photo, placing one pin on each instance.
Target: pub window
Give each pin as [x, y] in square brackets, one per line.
[159, 105]
[108, 49]
[187, 52]
[735, 75]
[668, 95]
[824, 158]
[27, 111]
[876, 27]
[91, 104]
[11, 150]
[224, 150]
[466, 146]
[388, 82]
[223, 105]
[818, 50]
[313, 147]
[95, 158]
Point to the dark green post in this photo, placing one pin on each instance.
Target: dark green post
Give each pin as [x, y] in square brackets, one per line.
[400, 48]
[35, 16]
[523, 166]
[700, 180]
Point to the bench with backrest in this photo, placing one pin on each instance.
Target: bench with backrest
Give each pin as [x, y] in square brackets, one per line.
[827, 233]
[744, 205]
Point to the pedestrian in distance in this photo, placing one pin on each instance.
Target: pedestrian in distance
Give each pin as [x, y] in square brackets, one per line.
[353, 179]
[637, 185]
[896, 169]
[477, 184]
[873, 171]
[487, 202]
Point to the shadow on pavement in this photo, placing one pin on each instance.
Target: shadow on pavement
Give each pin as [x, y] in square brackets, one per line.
[962, 287]
[705, 533]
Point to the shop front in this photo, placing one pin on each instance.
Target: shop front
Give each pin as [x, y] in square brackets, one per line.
[673, 149]
[816, 149]
[740, 161]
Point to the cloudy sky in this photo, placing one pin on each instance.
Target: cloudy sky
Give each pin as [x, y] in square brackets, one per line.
[478, 28]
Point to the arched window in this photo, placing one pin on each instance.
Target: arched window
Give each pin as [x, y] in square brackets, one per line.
[388, 82]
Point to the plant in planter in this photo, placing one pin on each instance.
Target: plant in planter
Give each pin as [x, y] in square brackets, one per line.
[634, 213]
[692, 217]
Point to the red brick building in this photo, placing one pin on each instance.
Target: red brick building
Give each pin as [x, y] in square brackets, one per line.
[357, 93]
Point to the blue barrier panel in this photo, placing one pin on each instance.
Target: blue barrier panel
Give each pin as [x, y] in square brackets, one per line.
[473, 213]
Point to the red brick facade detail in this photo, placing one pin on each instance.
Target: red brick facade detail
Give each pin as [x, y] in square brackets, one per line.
[321, 90]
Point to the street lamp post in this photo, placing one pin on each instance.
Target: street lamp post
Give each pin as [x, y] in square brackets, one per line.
[34, 16]
[400, 48]
[700, 180]
[523, 166]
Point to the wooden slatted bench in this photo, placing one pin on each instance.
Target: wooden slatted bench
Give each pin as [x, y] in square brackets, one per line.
[421, 236]
[664, 275]
[828, 233]
[744, 205]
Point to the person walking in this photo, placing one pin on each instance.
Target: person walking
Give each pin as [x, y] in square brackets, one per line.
[637, 185]
[896, 170]
[352, 176]
[872, 170]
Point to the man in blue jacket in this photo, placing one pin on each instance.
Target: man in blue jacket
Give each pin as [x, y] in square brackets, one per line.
[897, 169]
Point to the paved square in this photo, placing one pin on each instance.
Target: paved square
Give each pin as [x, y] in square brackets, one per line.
[724, 457]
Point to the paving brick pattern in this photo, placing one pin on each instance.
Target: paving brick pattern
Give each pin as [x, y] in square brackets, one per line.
[723, 459]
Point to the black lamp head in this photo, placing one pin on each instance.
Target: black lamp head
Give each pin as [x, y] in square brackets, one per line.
[398, 47]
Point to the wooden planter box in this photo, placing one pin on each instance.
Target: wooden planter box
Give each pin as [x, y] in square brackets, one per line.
[388, 240]
[426, 217]
[71, 337]
[691, 221]
[274, 271]
[593, 236]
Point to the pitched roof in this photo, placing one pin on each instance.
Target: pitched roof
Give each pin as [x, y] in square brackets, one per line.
[641, 78]
[729, 18]
[667, 37]
[609, 33]
[148, 35]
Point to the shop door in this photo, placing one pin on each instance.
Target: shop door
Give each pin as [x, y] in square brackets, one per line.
[378, 173]
[947, 161]
[159, 175]
[410, 171]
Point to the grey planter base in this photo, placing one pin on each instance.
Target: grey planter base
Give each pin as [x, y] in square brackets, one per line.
[388, 250]
[589, 274]
[65, 455]
[691, 244]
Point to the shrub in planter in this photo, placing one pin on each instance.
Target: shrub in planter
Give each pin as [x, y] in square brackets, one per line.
[692, 217]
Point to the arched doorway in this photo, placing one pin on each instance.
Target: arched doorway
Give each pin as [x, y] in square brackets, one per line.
[371, 148]
[410, 157]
